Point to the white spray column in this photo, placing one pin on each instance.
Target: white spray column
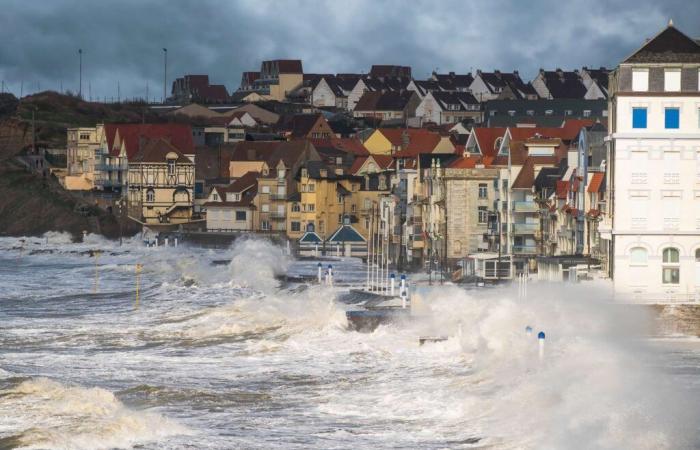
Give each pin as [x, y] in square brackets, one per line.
[404, 296]
[392, 279]
[175, 242]
[540, 340]
[320, 273]
[330, 275]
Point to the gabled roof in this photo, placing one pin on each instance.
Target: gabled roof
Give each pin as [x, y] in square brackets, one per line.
[302, 124]
[496, 81]
[461, 99]
[310, 237]
[346, 145]
[562, 189]
[155, 150]
[563, 84]
[346, 233]
[379, 70]
[383, 101]
[248, 180]
[526, 177]
[669, 46]
[466, 162]
[254, 150]
[131, 136]
[486, 139]
[289, 65]
[419, 140]
[596, 182]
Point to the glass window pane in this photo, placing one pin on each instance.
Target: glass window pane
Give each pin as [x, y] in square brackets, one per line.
[638, 255]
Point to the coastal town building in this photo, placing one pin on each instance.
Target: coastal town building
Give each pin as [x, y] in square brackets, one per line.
[655, 138]
[196, 88]
[82, 154]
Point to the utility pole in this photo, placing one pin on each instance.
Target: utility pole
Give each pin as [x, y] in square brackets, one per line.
[165, 72]
[89, 90]
[119, 93]
[80, 70]
[21, 89]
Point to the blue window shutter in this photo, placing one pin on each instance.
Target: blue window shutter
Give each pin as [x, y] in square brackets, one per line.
[639, 117]
[672, 117]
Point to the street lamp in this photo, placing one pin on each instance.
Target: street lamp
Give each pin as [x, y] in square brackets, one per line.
[165, 72]
[80, 70]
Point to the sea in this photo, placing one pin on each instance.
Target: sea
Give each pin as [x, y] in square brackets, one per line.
[107, 346]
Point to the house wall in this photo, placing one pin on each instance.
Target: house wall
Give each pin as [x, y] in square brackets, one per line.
[145, 176]
[322, 95]
[355, 94]
[82, 143]
[239, 168]
[479, 90]
[540, 87]
[270, 203]
[428, 109]
[224, 218]
[286, 83]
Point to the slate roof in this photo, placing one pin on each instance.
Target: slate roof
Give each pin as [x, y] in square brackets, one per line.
[310, 237]
[455, 98]
[301, 124]
[669, 46]
[379, 70]
[563, 84]
[383, 101]
[346, 233]
[453, 80]
[289, 66]
[497, 79]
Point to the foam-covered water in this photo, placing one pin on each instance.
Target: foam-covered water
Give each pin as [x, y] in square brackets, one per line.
[225, 356]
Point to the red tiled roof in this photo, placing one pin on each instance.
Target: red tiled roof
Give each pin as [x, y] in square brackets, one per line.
[593, 213]
[468, 162]
[486, 138]
[526, 177]
[155, 150]
[357, 164]
[179, 135]
[573, 126]
[596, 182]
[420, 140]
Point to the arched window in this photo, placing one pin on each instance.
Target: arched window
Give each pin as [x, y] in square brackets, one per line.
[150, 195]
[671, 266]
[638, 256]
[296, 207]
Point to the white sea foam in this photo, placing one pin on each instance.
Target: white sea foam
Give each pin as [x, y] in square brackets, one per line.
[43, 413]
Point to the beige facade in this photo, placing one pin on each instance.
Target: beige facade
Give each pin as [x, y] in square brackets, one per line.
[271, 200]
[83, 144]
[161, 185]
[469, 197]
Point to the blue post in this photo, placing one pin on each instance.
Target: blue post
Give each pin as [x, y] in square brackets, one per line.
[540, 340]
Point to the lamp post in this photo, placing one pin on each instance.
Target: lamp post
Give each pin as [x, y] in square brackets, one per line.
[165, 72]
[80, 71]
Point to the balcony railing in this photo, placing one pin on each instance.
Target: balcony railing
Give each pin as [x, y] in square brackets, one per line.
[275, 215]
[278, 196]
[525, 228]
[112, 166]
[525, 207]
[525, 249]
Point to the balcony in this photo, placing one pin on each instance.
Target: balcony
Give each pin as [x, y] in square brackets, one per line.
[525, 207]
[104, 167]
[525, 228]
[278, 196]
[276, 215]
[524, 249]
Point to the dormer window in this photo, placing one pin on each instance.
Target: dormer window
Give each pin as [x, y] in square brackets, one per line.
[171, 167]
[280, 173]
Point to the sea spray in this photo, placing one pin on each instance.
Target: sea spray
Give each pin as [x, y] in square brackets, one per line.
[43, 413]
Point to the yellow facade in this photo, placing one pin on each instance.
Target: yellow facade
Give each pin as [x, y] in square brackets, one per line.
[286, 83]
[378, 144]
[270, 202]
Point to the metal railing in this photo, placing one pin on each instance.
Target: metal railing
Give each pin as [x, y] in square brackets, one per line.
[278, 196]
[112, 166]
[524, 249]
[105, 182]
[277, 215]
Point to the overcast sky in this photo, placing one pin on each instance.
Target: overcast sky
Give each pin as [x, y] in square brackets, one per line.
[123, 40]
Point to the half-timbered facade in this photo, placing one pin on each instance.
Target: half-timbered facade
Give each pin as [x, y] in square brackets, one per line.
[161, 184]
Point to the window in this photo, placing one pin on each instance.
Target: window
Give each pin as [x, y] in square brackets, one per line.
[340, 218]
[171, 167]
[310, 207]
[296, 207]
[339, 160]
[280, 173]
[640, 80]
[672, 118]
[548, 112]
[312, 187]
[671, 266]
[483, 190]
[638, 256]
[530, 112]
[483, 214]
[296, 226]
[367, 223]
[368, 204]
[639, 117]
[150, 195]
[264, 225]
[353, 208]
[240, 215]
[266, 189]
[215, 197]
[265, 208]
[586, 113]
[672, 80]
[568, 112]
[697, 255]
[321, 226]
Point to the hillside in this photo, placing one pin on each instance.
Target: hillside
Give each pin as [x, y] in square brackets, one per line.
[31, 204]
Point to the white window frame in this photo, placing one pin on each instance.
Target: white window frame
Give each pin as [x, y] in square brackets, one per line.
[672, 80]
[640, 80]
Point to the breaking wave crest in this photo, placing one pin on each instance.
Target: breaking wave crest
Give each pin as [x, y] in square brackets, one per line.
[42, 413]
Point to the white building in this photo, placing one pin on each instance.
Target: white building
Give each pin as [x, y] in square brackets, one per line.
[655, 171]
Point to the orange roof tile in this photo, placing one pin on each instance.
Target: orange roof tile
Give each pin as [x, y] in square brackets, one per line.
[596, 182]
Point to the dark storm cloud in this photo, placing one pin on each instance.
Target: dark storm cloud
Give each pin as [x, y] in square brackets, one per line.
[123, 40]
